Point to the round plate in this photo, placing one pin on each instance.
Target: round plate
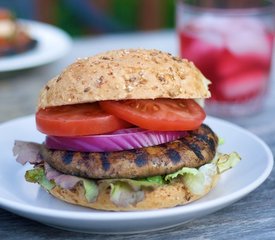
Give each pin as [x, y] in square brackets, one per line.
[29, 200]
[53, 43]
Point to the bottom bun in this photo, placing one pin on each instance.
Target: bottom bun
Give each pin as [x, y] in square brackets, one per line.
[166, 196]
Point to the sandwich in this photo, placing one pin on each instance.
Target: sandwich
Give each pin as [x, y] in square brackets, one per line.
[124, 131]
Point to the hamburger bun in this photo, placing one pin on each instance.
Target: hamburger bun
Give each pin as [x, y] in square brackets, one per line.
[125, 74]
[165, 196]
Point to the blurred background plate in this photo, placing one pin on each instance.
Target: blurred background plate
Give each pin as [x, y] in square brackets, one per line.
[53, 44]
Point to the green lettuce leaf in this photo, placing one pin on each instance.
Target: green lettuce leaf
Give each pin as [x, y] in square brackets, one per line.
[91, 190]
[155, 180]
[125, 192]
[221, 141]
[135, 185]
[123, 195]
[226, 161]
[181, 172]
[198, 180]
[37, 175]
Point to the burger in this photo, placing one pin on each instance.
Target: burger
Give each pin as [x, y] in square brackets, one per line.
[124, 132]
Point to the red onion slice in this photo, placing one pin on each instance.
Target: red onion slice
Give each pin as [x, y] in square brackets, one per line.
[125, 139]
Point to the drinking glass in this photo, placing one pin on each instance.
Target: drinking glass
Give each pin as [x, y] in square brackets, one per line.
[231, 42]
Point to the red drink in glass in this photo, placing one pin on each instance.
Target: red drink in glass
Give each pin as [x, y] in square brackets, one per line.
[234, 53]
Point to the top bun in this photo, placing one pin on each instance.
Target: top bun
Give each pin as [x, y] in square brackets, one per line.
[125, 74]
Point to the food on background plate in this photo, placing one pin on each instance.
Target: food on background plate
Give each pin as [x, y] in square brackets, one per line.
[124, 131]
[14, 36]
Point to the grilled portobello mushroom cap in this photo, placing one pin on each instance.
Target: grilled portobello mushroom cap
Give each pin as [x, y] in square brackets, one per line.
[195, 150]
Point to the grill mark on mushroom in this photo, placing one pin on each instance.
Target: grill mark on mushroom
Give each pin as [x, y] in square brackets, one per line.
[105, 161]
[173, 155]
[194, 148]
[141, 160]
[67, 157]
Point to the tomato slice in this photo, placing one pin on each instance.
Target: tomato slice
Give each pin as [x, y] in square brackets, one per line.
[158, 114]
[77, 120]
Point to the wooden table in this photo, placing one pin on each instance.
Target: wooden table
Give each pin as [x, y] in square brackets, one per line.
[253, 217]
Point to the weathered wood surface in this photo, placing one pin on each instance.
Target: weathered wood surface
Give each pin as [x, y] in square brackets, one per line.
[253, 217]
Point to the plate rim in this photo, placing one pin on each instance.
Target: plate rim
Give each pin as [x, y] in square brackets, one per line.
[150, 214]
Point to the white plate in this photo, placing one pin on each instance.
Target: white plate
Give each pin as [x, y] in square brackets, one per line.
[53, 43]
[28, 200]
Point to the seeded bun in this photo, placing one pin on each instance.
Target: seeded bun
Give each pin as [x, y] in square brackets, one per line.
[125, 74]
[166, 196]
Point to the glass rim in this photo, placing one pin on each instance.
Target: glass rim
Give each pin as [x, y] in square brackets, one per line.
[265, 9]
